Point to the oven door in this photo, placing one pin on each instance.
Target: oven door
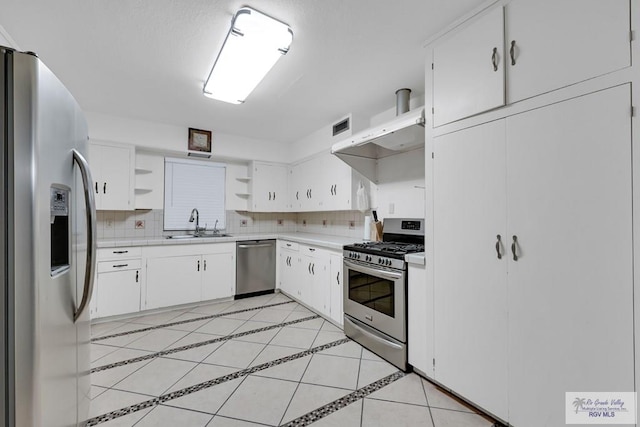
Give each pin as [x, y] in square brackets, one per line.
[376, 297]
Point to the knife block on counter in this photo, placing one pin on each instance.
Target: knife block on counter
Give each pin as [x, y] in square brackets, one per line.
[376, 231]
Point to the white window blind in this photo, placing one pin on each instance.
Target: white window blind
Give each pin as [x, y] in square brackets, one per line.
[192, 184]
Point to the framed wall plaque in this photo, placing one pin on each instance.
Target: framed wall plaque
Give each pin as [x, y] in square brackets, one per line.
[200, 140]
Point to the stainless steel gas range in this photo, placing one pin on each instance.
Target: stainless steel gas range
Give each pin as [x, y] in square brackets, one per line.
[375, 291]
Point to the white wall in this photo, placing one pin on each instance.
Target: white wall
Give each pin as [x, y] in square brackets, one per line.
[6, 40]
[173, 139]
[401, 188]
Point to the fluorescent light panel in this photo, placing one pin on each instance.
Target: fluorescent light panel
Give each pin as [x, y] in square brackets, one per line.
[253, 45]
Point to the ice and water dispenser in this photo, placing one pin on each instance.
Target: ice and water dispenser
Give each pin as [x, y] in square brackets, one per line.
[59, 211]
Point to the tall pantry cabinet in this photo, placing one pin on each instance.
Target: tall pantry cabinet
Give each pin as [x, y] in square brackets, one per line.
[533, 251]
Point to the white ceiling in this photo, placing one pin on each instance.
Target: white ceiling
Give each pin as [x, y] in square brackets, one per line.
[147, 59]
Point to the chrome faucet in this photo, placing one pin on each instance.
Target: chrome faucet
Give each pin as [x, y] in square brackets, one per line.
[197, 218]
[215, 228]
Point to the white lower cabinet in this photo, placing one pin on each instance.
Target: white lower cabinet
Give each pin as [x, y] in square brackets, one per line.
[181, 274]
[527, 285]
[118, 282]
[315, 266]
[173, 280]
[306, 273]
[219, 274]
[288, 270]
[420, 320]
[336, 289]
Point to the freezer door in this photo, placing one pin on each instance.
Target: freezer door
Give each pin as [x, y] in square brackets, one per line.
[51, 350]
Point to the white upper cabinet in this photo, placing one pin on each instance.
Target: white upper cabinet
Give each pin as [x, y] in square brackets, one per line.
[468, 73]
[551, 44]
[268, 187]
[112, 169]
[323, 183]
[529, 47]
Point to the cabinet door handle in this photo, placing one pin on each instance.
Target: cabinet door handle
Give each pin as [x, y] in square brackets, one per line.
[297, 195]
[204, 267]
[335, 189]
[198, 265]
[97, 192]
[310, 195]
[137, 275]
[494, 59]
[313, 269]
[269, 195]
[498, 247]
[338, 278]
[512, 52]
[513, 247]
[120, 265]
[274, 195]
[309, 268]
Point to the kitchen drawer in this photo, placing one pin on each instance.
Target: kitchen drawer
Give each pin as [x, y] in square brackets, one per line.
[119, 253]
[119, 265]
[292, 246]
[309, 250]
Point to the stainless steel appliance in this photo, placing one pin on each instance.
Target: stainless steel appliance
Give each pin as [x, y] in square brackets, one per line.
[47, 261]
[255, 268]
[375, 289]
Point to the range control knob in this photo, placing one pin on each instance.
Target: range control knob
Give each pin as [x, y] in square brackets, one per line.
[388, 262]
[379, 260]
[358, 256]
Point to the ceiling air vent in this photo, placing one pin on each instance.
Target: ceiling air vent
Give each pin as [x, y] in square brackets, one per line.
[341, 126]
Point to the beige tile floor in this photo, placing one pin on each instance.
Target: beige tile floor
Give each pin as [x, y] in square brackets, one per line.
[273, 395]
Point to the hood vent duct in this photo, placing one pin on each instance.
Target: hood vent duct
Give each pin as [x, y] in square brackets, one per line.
[402, 101]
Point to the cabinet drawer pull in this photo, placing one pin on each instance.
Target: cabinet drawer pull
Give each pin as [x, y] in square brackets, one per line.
[120, 265]
[513, 247]
[120, 252]
[498, 247]
[312, 249]
[494, 59]
[512, 52]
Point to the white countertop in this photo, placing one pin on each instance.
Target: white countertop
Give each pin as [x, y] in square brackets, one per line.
[416, 259]
[322, 240]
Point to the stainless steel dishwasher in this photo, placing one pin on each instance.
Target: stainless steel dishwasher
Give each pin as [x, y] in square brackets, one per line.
[255, 268]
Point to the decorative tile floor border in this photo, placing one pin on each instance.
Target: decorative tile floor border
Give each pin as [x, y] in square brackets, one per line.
[232, 376]
[340, 403]
[200, 344]
[182, 322]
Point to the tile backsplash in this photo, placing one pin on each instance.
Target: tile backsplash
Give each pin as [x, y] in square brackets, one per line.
[141, 224]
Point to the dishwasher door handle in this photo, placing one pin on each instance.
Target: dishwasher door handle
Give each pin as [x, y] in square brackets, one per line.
[265, 245]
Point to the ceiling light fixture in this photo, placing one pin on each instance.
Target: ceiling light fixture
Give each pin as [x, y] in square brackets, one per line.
[253, 45]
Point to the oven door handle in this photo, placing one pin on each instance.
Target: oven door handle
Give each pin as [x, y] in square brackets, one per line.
[373, 271]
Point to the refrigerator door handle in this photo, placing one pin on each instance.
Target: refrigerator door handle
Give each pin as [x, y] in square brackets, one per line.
[90, 205]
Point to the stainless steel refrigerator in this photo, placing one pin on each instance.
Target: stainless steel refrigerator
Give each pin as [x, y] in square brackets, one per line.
[47, 261]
